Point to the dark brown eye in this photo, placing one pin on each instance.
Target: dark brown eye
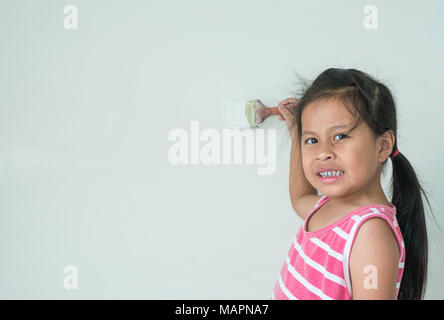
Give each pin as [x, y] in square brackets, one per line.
[341, 134]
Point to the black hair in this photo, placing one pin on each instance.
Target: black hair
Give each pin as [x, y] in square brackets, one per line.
[371, 101]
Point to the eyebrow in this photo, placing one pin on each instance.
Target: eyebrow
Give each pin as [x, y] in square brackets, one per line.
[329, 129]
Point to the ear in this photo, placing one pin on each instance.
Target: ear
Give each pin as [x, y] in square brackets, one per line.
[386, 143]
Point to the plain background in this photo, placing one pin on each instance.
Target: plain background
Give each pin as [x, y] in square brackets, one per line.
[85, 115]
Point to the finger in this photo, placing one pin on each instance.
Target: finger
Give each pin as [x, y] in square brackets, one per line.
[284, 102]
[284, 111]
[291, 109]
[286, 114]
[288, 101]
[289, 106]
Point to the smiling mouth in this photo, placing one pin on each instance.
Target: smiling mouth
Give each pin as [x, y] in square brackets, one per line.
[330, 179]
[329, 174]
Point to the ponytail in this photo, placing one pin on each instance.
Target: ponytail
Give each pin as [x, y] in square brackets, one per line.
[411, 218]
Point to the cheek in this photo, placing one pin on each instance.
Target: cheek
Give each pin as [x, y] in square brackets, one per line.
[361, 167]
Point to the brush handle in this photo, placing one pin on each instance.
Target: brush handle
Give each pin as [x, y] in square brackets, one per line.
[274, 111]
[264, 112]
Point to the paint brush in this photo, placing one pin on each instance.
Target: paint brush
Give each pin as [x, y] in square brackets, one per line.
[248, 114]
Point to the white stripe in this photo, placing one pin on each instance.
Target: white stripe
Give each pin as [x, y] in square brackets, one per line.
[285, 290]
[319, 201]
[341, 233]
[395, 223]
[347, 248]
[398, 284]
[307, 284]
[401, 265]
[327, 248]
[317, 266]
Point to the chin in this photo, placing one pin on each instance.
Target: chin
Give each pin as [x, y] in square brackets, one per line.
[330, 192]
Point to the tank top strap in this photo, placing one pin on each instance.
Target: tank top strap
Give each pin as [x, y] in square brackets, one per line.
[317, 205]
[320, 202]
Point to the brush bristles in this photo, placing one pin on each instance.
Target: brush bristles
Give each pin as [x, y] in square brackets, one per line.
[235, 114]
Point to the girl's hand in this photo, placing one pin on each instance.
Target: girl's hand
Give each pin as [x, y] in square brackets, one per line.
[284, 108]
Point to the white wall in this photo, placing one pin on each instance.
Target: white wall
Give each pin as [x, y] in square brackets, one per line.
[85, 116]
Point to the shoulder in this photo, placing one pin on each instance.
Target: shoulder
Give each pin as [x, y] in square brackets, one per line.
[374, 260]
[377, 230]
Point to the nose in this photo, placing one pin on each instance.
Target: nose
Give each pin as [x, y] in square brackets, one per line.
[324, 155]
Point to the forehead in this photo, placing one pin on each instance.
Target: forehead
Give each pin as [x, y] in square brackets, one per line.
[321, 115]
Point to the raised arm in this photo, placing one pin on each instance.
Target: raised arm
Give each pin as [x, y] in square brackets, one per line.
[302, 194]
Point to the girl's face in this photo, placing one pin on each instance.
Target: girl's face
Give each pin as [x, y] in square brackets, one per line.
[351, 149]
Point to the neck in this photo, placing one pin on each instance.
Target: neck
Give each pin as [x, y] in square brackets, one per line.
[369, 195]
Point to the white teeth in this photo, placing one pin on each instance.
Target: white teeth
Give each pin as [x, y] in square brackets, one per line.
[331, 173]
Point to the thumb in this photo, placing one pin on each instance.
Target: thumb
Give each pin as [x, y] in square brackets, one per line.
[285, 112]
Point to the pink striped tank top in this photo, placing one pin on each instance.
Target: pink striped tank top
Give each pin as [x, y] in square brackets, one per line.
[317, 264]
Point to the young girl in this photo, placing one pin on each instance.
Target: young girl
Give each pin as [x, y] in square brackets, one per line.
[354, 243]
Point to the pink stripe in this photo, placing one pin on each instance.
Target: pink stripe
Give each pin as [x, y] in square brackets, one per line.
[321, 249]
[296, 288]
[278, 293]
[321, 257]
